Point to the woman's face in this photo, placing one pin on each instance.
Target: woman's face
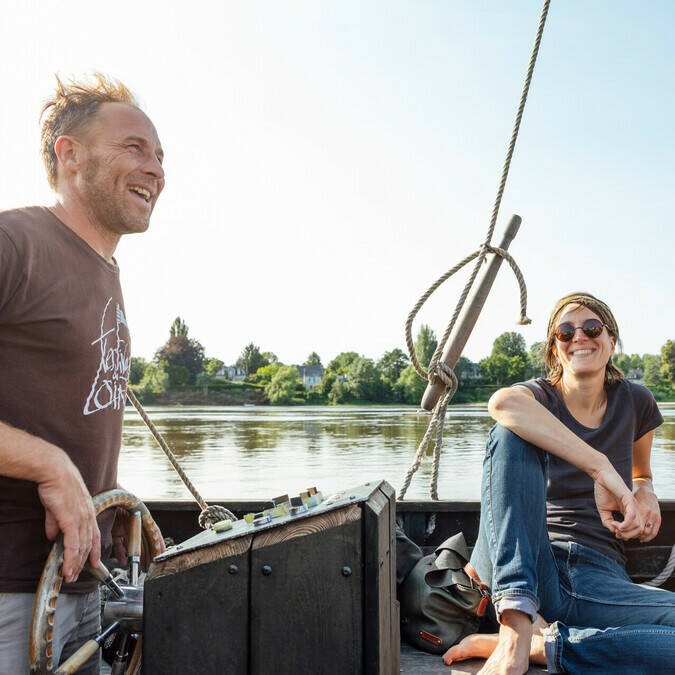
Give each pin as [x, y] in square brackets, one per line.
[582, 356]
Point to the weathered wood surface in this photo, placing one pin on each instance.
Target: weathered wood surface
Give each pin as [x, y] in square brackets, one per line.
[231, 547]
[197, 619]
[416, 662]
[307, 526]
[306, 612]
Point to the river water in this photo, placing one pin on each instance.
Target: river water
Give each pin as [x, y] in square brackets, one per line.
[261, 452]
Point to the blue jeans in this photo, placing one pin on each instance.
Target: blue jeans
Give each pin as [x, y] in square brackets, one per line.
[601, 622]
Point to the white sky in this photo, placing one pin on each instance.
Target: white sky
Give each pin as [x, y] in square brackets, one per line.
[326, 161]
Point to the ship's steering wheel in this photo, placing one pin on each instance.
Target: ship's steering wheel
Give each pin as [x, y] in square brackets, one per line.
[143, 528]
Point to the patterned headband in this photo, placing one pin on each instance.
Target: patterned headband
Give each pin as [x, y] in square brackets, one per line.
[587, 301]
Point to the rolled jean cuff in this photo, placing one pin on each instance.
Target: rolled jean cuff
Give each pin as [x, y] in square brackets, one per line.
[553, 648]
[523, 603]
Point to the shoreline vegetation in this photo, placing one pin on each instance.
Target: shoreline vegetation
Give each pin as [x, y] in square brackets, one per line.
[181, 374]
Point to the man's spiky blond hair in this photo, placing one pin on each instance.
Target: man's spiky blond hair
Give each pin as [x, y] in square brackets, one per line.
[72, 106]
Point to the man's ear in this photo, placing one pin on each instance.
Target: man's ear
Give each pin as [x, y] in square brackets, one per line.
[70, 154]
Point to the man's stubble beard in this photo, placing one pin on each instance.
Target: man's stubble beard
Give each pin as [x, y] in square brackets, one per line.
[104, 210]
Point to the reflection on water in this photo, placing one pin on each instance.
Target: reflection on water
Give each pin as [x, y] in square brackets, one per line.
[260, 452]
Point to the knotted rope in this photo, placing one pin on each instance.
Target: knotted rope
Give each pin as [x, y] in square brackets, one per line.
[437, 369]
[209, 514]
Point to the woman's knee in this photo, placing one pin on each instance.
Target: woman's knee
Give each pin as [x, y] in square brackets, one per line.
[502, 441]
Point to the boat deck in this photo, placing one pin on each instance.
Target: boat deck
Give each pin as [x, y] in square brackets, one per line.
[416, 662]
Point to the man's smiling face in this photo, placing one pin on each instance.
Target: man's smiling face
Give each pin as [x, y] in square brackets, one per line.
[122, 174]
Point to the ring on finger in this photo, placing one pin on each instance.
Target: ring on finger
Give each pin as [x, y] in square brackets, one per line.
[648, 524]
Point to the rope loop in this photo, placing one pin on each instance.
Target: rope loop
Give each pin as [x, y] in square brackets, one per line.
[213, 514]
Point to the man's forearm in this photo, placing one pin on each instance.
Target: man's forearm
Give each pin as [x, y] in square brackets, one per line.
[28, 457]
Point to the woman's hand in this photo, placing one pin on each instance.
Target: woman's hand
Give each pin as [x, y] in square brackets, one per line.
[612, 494]
[650, 511]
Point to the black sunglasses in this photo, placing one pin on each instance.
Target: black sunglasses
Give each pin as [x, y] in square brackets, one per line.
[592, 328]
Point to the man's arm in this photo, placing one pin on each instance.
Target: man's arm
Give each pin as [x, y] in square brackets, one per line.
[68, 505]
[516, 409]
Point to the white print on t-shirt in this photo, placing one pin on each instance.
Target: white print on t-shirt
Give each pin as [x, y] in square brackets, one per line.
[111, 381]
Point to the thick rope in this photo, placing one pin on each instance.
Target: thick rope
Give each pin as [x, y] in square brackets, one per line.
[209, 514]
[667, 571]
[436, 371]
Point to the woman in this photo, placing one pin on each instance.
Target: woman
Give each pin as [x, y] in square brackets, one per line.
[556, 475]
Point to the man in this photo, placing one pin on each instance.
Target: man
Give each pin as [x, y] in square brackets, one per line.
[65, 353]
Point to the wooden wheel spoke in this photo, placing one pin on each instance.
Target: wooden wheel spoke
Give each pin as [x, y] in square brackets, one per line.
[85, 652]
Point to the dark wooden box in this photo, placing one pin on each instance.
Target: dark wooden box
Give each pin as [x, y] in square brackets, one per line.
[313, 595]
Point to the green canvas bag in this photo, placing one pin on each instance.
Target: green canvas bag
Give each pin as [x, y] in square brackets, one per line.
[440, 602]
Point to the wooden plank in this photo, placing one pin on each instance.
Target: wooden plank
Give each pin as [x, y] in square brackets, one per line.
[307, 526]
[377, 598]
[231, 547]
[198, 618]
[416, 662]
[306, 613]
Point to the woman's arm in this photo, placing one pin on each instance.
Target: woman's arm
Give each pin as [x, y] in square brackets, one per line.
[643, 488]
[516, 409]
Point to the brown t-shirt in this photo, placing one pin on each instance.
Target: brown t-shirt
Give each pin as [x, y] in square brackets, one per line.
[64, 362]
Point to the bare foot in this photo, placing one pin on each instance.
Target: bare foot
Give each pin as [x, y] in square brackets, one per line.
[511, 656]
[482, 645]
[478, 645]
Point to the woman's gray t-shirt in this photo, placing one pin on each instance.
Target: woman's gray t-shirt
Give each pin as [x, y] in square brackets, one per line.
[571, 514]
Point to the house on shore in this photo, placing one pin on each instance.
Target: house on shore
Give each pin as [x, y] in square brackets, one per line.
[310, 376]
[232, 373]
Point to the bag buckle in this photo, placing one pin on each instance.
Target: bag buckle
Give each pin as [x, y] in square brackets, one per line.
[485, 596]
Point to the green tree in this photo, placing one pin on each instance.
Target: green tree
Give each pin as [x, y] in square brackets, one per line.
[179, 376]
[212, 366]
[668, 362]
[155, 379]
[636, 362]
[265, 374]
[363, 379]
[462, 369]
[137, 369]
[652, 370]
[313, 360]
[324, 387]
[338, 392]
[495, 368]
[508, 362]
[535, 358]
[622, 362]
[178, 327]
[270, 357]
[251, 359]
[180, 350]
[391, 365]
[425, 345]
[510, 344]
[341, 362]
[282, 387]
[410, 386]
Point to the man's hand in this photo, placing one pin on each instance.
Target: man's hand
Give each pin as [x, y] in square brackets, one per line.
[612, 494]
[69, 509]
[648, 504]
